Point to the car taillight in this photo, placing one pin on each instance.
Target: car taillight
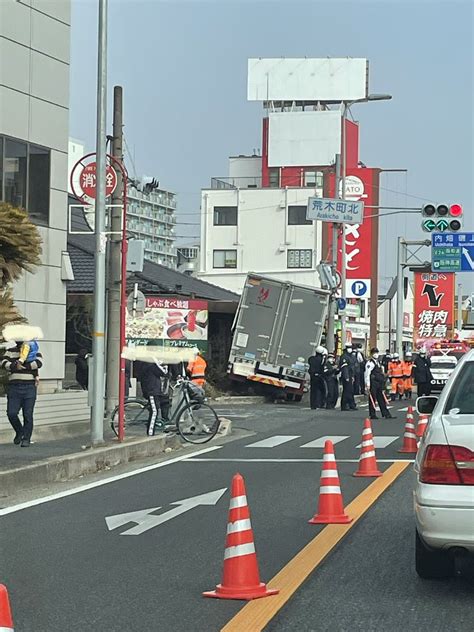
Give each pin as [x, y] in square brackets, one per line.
[448, 465]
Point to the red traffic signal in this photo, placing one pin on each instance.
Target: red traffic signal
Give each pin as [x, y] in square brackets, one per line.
[455, 210]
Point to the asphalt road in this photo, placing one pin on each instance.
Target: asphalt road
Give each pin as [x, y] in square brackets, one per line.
[66, 571]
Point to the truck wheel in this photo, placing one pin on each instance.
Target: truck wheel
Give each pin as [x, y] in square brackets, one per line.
[298, 398]
[432, 564]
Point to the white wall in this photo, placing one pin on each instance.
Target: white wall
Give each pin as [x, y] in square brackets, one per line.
[76, 149]
[34, 97]
[245, 171]
[261, 238]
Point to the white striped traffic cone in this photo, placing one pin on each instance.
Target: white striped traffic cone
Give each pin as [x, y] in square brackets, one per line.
[409, 437]
[422, 425]
[367, 460]
[331, 504]
[241, 577]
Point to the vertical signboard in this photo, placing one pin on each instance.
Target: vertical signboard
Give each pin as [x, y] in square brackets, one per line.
[434, 308]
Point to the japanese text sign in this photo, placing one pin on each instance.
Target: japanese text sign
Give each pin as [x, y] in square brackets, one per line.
[330, 210]
[434, 307]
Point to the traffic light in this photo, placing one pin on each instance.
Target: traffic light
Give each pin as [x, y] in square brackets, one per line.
[441, 218]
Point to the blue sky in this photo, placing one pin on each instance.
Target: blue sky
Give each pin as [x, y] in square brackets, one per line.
[183, 67]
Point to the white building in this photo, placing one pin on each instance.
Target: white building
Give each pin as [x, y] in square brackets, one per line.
[76, 150]
[387, 319]
[34, 120]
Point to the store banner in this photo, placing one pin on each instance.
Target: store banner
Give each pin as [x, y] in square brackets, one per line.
[169, 321]
[433, 308]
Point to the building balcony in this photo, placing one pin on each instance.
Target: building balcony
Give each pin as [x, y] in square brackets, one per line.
[251, 182]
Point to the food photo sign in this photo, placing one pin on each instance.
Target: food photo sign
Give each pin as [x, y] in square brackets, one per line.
[169, 321]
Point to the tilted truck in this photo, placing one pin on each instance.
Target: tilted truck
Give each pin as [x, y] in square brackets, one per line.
[276, 328]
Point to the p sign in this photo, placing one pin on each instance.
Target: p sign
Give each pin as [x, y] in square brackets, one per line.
[358, 289]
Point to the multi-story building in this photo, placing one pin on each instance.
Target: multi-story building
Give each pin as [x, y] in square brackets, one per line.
[34, 120]
[188, 258]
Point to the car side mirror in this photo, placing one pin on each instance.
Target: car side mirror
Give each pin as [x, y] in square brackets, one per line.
[426, 404]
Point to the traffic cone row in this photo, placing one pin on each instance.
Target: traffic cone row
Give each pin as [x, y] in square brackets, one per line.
[6, 621]
[410, 445]
[331, 504]
[367, 460]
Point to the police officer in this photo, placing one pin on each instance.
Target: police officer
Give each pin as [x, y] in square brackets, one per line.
[330, 377]
[317, 383]
[422, 373]
[346, 368]
[374, 384]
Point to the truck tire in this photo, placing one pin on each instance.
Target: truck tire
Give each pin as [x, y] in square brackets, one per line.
[298, 398]
[430, 563]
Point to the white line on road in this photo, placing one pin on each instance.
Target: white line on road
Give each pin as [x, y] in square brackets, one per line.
[271, 442]
[382, 441]
[319, 443]
[223, 460]
[112, 479]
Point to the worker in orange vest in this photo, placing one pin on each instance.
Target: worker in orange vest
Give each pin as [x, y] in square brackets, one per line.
[407, 375]
[395, 373]
[196, 370]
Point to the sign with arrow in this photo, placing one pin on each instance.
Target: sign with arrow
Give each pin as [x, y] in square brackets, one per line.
[434, 297]
[146, 519]
[434, 307]
[452, 252]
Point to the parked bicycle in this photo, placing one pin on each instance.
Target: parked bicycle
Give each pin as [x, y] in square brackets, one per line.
[191, 417]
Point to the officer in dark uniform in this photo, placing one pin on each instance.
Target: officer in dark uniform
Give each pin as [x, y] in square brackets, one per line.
[346, 368]
[374, 384]
[332, 385]
[316, 373]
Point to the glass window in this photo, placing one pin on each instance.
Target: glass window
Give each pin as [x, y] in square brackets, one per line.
[14, 167]
[461, 396]
[297, 216]
[313, 179]
[274, 177]
[225, 216]
[225, 259]
[300, 258]
[38, 184]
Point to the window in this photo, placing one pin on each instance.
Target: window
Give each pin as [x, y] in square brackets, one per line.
[300, 258]
[461, 395]
[38, 184]
[14, 167]
[225, 216]
[274, 177]
[225, 259]
[297, 216]
[313, 179]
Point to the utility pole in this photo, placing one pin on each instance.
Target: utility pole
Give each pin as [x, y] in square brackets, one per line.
[330, 342]
[400, 276]
[114, 261]
[98, 334]
[343, 236]
[459, 307]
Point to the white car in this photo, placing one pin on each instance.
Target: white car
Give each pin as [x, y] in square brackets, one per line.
[444, 467]
[441, 368]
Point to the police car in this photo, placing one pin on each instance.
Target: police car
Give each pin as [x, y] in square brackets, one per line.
[441, 368]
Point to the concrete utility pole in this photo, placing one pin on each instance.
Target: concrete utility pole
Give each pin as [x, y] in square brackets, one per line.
[114, 262]
[342, 196]
[98, 334]
[459, 307]
[400, 276]
[330, 342]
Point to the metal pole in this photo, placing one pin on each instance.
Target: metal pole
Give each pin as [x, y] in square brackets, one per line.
[330, 341]
[343, 237]
[459, 307]
[400, 276]
[114, 252]
[98, 338]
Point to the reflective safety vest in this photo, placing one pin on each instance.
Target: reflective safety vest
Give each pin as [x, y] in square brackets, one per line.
[197, 369]
[395, 369]
[407, 368]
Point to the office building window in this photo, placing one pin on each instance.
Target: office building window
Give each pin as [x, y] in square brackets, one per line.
[300, 258]
[225, 216]
[38, 184]
[297, 216]
[274, 177]
[15, 168]
[225, 259]
[314, 179]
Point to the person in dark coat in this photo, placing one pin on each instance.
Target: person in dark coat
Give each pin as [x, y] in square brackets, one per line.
[154, 382]
[317, 382]
[422, 373]
[330, 377]
[346, 368]
[374, 385]
[82, 369]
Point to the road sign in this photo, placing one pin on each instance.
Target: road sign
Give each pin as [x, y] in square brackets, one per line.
[341, 304]
[145, 519]
[359, 288]
[452, 252]
[87, 180]
[332, 210]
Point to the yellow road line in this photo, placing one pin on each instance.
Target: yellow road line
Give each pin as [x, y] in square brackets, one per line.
[257, 614]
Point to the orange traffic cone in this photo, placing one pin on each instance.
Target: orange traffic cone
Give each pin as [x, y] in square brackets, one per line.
[422, 425]
[367, 460]
[409, 437]
[241, 578]
[6, 621]
[331, 504]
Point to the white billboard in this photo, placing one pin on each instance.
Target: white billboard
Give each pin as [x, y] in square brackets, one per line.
[298, 139]
[328, 79]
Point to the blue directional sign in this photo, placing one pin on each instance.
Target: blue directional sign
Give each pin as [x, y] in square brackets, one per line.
[452, 252]
[341, 303]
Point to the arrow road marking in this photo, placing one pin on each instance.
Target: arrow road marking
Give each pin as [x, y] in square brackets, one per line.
[145, 519]
[466, 253]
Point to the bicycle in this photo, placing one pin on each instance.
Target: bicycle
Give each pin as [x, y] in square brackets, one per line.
[192, 418]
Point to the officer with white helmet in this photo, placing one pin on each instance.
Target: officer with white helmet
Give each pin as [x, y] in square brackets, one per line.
[317, 383]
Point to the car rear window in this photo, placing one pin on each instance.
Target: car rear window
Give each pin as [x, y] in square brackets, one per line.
[461, 396]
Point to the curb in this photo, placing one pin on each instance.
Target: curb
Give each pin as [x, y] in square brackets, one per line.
[92, 460]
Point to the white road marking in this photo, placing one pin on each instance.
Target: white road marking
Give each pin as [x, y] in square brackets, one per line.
[83, 488]
[223, 460]
[319, 443]
[271, 442]
[382, 441]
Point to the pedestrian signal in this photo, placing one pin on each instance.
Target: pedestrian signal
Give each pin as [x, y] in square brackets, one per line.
[442, 218]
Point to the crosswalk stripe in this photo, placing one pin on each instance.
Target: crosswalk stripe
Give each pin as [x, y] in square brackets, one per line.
[319, 443]
[271, 442]
[382, 441]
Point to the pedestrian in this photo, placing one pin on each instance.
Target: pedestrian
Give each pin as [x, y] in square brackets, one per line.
[374, 384]
[359, 366]
[82, 369]
[386, 359]
[395, 373]
[317, 383]
[346, 369]
[154, 382]
[422, 373]
[196, 369]
[407, 375]
[330, 377]
[23, 378]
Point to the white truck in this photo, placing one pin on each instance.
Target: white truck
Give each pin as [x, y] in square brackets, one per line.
[276, 328]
